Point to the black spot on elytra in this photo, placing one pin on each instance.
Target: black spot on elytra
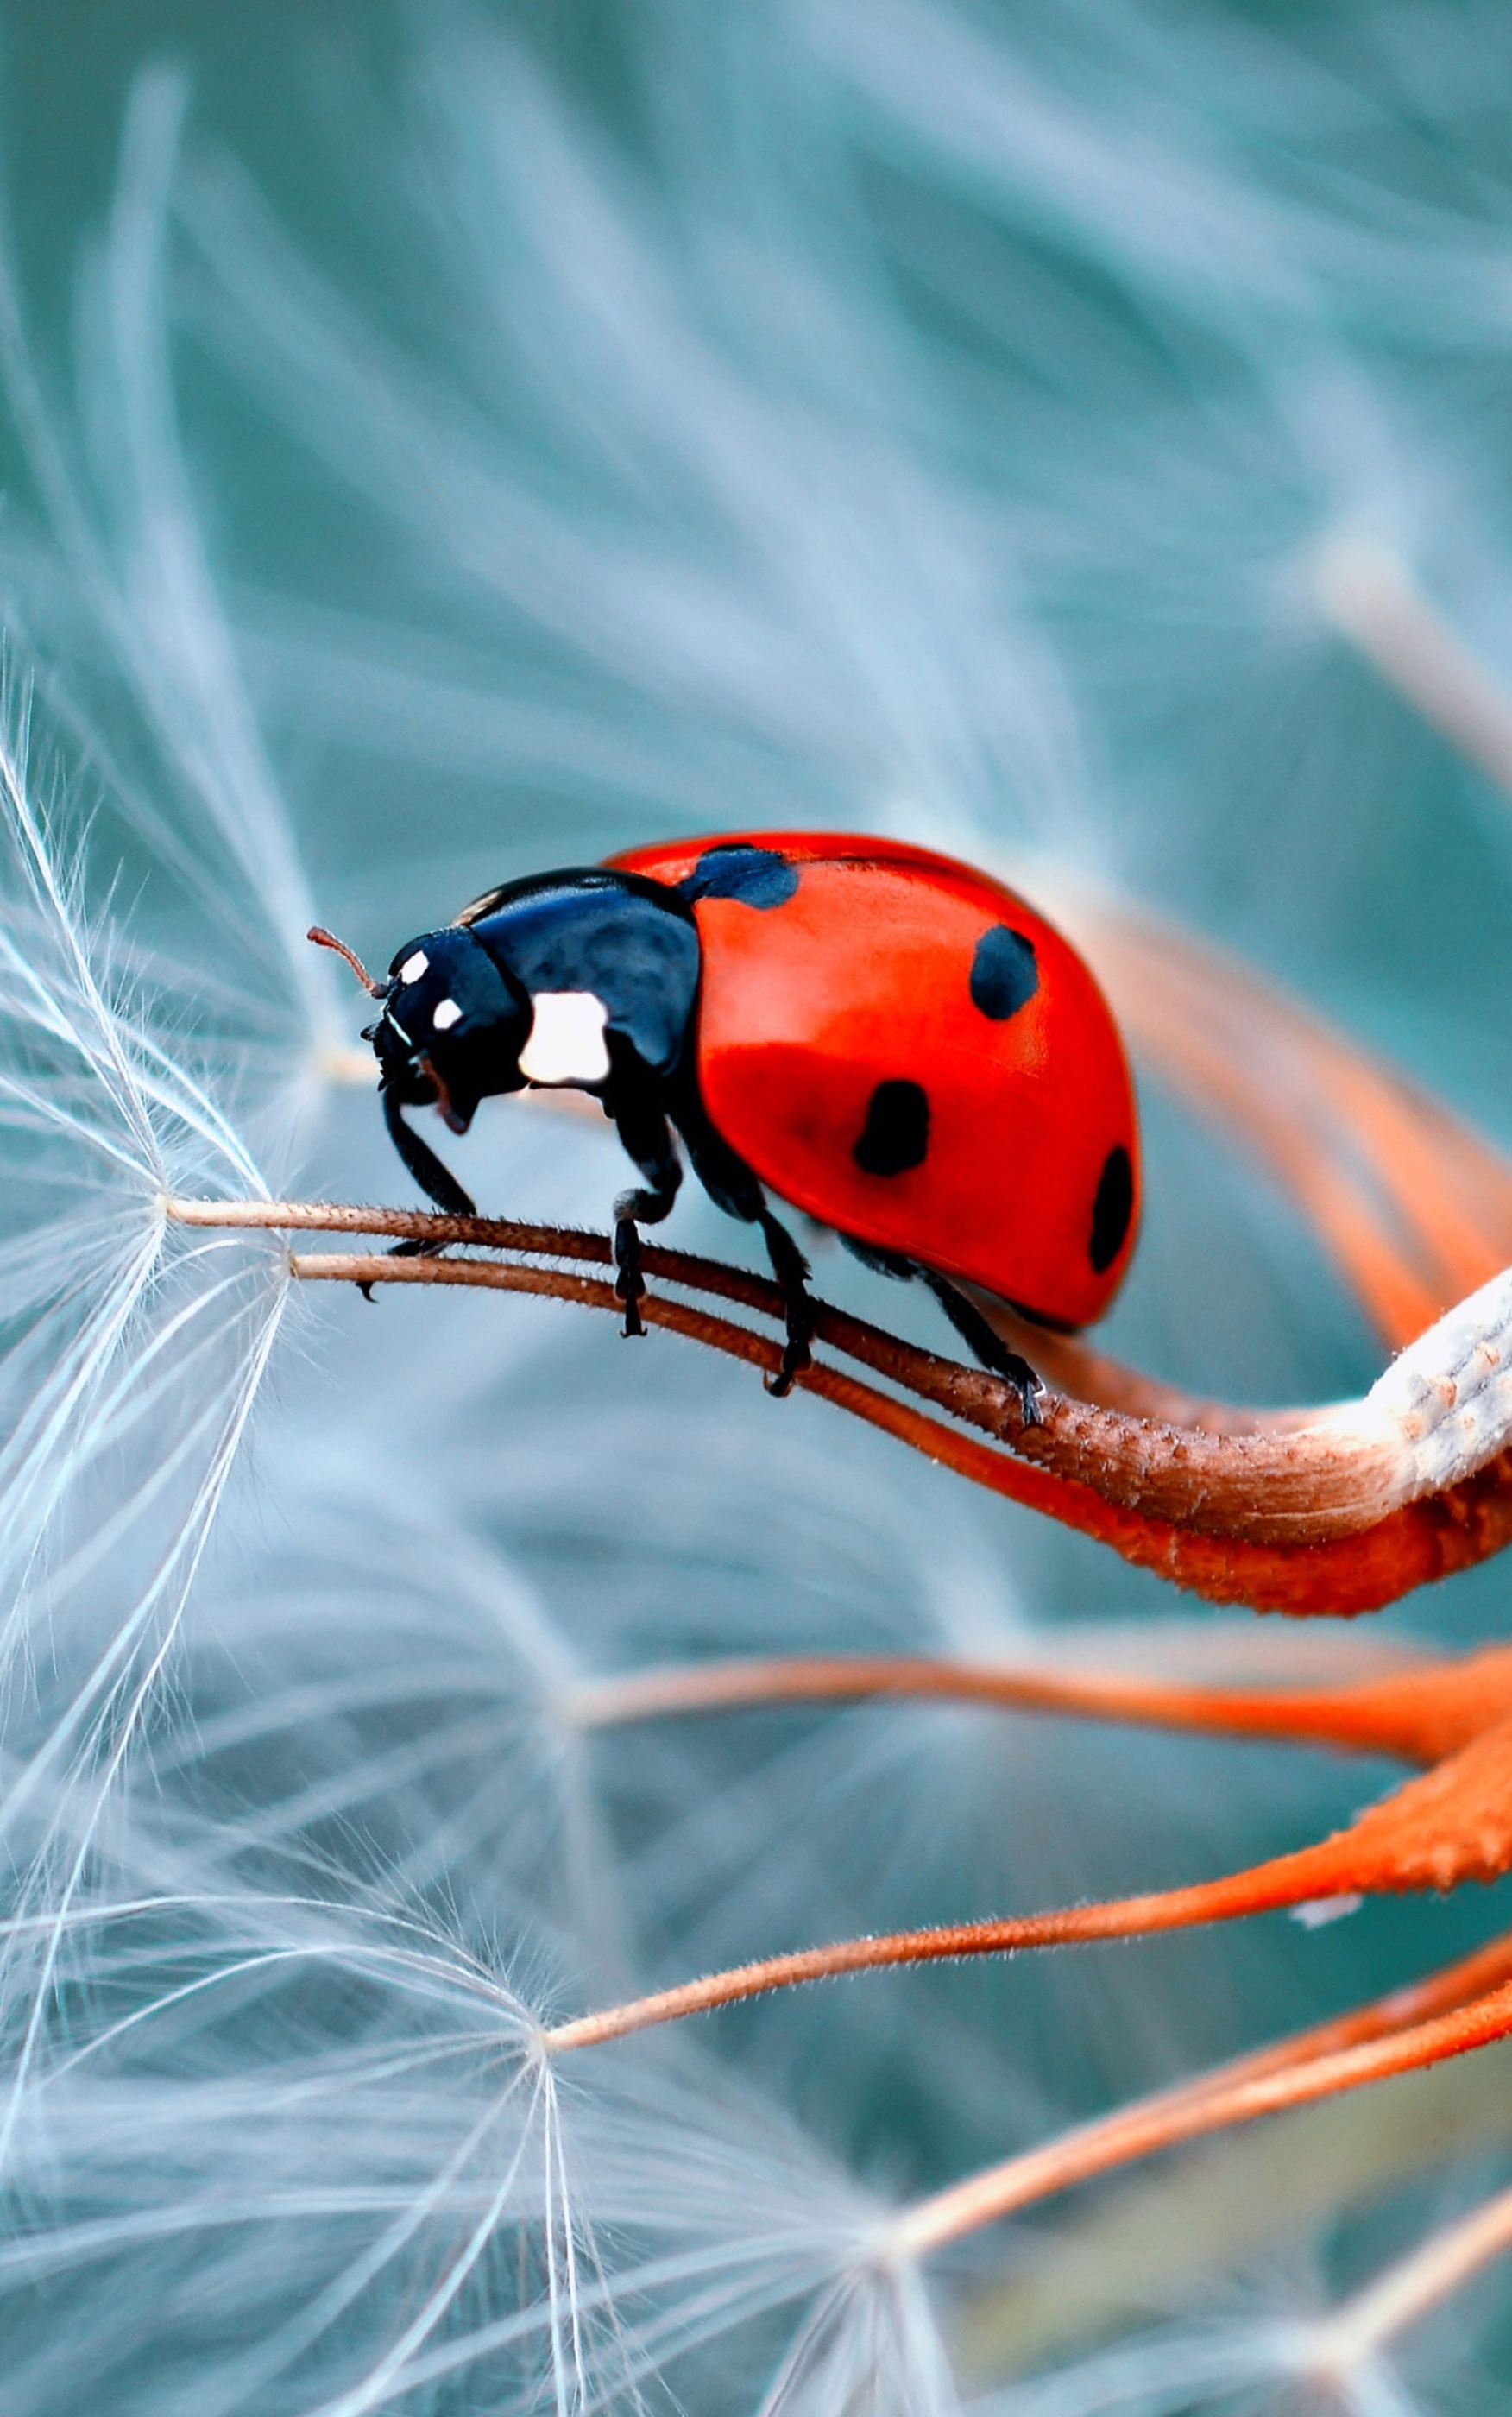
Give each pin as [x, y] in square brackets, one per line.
[896, 1134]
[758, 876]
[1111, 1210]
[1004, 974]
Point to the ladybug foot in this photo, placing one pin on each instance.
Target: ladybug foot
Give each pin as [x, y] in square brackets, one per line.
[987, 1346]
[790, 1269]
[628, 1282]
[796, 1355]
[418, 1247]
[1018, 1372]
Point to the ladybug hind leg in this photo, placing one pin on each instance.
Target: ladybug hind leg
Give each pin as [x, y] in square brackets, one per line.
[790, 1269]
[985, 1346]
[732, 1186]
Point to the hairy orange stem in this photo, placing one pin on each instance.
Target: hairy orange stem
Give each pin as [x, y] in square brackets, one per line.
[1265, 2085]
[1164, 2118]
[1451, 1824]
[1421, 1714]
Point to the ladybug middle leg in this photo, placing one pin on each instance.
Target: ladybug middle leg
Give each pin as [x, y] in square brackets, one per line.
[646, 1137]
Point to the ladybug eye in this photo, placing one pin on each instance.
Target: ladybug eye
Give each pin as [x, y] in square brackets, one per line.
[447, 1014]
[413, 966]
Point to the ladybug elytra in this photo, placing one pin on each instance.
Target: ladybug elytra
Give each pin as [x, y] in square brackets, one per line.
[890, 1041]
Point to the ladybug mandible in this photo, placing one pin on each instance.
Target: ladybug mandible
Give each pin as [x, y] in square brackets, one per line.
[896, 1045]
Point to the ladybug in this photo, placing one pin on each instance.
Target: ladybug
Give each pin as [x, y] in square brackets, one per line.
[896, 1045]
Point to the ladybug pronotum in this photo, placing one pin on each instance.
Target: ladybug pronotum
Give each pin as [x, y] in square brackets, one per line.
[892, 1042]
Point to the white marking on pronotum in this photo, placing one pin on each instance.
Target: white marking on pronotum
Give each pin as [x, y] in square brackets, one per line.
[412, 967]
[567, 1039]
[447, 1014]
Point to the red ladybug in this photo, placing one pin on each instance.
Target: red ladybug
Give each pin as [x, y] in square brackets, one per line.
[893, 1042]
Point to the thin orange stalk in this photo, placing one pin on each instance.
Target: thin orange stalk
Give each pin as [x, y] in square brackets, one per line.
[1420, 1713]
[1451, 1824]
[1171, 2117]
[1151, 2124]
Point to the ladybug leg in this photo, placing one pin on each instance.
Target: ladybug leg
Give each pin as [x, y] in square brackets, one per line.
[434, 1179]
[986, 1346]
[790, 1269]
[882, 1263]
[646, 1138]
[733, 1187]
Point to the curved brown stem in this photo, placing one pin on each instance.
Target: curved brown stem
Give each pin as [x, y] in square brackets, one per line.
[1090, 1377]
[1305, 1521]
[1308, 1475]
[1281, 1522]
[1341, 1574]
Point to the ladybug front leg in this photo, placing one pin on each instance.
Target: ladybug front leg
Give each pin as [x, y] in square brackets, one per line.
[646, 1137]
[984, 1345]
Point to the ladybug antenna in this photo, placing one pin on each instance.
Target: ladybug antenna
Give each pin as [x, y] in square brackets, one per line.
[323, 939]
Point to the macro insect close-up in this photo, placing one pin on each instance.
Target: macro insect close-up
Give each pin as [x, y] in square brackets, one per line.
[910, 1053]
[887, 1791]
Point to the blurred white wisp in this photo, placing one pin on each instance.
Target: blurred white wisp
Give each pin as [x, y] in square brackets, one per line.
[159, 1006]
[236, 2068]
[666, 448]
[129, 1357]
[107, 577]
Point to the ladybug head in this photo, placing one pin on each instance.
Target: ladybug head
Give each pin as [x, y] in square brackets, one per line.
[584, 979]
[452, 1028]
[453, 1025]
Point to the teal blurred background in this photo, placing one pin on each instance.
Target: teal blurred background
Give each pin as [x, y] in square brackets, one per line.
[597, 424]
